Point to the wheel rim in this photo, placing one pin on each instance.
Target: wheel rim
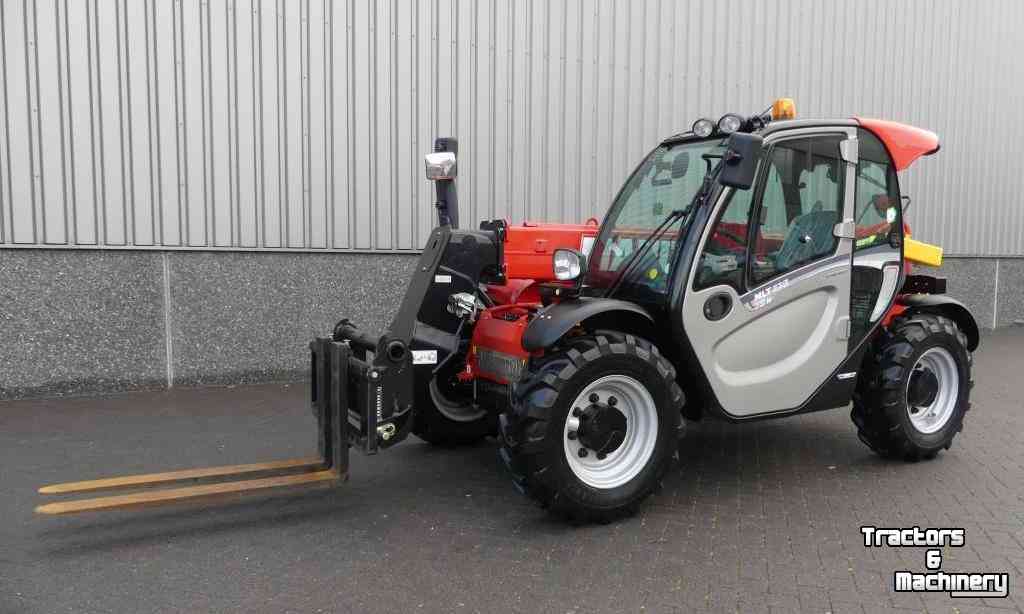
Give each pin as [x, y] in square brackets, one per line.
[932, 390]
[628, 458]
[453, 410]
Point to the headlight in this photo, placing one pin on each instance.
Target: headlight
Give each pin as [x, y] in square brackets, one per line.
[568, 264]
[729, 123]
[703, 127]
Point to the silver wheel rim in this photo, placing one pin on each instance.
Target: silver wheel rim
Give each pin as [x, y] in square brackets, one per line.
[625, 462]
[932, 417]
[454, 411]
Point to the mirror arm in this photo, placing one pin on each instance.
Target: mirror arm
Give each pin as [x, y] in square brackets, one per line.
[709, 177]
[447, 197]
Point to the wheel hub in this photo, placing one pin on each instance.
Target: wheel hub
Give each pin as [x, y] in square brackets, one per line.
[923, 388]
[610, 431]
[602, 427]
[932, 390]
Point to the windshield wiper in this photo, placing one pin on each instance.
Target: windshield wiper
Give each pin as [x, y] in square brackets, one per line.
[698, 198]
[651, 238]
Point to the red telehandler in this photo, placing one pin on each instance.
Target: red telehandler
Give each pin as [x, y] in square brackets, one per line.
[752, 267]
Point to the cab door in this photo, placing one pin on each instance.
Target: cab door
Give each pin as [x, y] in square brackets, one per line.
[767, 310]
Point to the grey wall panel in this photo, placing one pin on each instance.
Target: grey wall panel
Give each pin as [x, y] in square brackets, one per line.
[300, 124]
[249, 317]
[85, 322]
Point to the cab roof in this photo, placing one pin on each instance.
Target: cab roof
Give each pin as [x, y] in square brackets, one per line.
[905, 143]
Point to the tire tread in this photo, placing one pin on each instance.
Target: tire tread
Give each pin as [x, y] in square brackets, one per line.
[523, 429]
[879, 399]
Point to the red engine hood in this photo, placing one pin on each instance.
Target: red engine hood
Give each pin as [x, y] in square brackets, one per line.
[530, 246]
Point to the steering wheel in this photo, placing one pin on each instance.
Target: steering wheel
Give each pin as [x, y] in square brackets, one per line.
[731, 235]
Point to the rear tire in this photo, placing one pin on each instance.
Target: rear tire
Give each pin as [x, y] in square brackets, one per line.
[633, 438]
[914, 388]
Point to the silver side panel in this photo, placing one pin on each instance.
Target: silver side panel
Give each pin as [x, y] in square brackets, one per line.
[890, 278]
[783, 339]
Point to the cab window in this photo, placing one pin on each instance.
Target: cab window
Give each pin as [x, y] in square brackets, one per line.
[878, 216]
[801, 202]
[725, 251]
[877, 195]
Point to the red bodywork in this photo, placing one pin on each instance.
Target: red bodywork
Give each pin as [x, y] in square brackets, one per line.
[905, 143]
[529, 249]
[498, 331]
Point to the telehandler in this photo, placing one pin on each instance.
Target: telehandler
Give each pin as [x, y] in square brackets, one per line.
[752, 267]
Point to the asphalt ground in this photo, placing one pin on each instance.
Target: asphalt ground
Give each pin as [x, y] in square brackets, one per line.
[760, 517]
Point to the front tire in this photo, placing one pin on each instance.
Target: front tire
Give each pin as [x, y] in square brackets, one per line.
[914, 389]
[594, 427]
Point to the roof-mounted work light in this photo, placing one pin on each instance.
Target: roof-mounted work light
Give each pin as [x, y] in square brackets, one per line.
[729, 123]
[703, 127]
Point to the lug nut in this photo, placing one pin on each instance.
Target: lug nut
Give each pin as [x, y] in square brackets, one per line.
[572, 435]
[601, 455]
[594, 398]
[612, 401]
[583, 453]
[576, 412]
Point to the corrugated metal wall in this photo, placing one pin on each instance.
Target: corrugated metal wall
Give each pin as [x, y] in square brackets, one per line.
[300, 124]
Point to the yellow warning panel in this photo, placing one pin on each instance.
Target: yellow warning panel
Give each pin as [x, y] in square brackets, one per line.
[922, 253]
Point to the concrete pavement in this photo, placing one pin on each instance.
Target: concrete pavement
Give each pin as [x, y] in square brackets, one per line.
[759, 517]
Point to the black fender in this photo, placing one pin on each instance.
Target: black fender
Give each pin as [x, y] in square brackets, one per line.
[553, 322]
[949, 307]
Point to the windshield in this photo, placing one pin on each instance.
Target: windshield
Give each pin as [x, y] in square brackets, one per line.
[666, 181]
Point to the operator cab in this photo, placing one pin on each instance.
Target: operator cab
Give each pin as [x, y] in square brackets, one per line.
[771, 282]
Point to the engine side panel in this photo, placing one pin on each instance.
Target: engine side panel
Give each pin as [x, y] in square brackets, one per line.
[529, 248]
[496, 351]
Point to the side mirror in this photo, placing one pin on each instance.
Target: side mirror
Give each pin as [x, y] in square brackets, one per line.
[739, 163]
[440, 166]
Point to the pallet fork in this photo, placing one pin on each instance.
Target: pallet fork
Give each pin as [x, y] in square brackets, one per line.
[362, 397]
[336, 379]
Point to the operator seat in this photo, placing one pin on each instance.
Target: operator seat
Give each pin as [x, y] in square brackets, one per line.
[810, 236]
